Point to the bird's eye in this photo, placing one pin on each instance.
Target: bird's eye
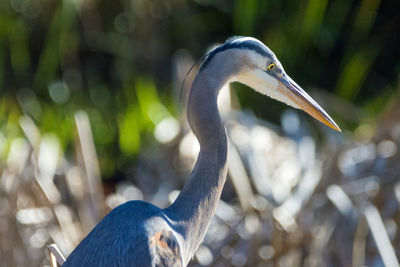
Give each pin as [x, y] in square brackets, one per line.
[271, 66]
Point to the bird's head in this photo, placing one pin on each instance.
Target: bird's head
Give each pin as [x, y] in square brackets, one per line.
[255, 65]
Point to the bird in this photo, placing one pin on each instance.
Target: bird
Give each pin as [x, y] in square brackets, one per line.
[138, 233]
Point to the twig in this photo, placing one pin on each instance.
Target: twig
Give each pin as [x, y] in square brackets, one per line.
[91, 166]
[56, 257]
[381, 237]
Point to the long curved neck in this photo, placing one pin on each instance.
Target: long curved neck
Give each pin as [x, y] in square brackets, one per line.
[195, 206]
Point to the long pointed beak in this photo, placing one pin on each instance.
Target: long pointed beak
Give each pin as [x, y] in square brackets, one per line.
[295, 93]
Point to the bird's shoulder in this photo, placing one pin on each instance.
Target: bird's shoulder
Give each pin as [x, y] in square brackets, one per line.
[164, 248]
[135, 233]
[162, 241]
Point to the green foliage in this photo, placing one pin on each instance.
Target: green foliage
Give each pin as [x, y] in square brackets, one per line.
[129, 127]
[113, 59]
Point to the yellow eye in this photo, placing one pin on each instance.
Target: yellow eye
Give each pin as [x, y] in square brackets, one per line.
[271, 66]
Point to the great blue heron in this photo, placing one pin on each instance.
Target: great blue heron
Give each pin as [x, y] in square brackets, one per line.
[140, 234]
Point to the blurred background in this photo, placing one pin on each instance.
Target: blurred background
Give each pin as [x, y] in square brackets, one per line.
[91, 117]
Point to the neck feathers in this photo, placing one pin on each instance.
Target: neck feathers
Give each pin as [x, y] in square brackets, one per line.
[195, 206]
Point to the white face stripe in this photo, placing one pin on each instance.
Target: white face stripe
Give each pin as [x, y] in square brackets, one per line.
[259, 61]
[265, 84]
[254, 71]
[257, 77]
[253, 40]
[244, 39]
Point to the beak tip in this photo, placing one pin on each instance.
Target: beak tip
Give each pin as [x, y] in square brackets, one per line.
[338, 129]
[303, 101]
[334, 126]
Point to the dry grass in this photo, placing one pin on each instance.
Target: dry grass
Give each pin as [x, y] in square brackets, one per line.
[286, 203]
